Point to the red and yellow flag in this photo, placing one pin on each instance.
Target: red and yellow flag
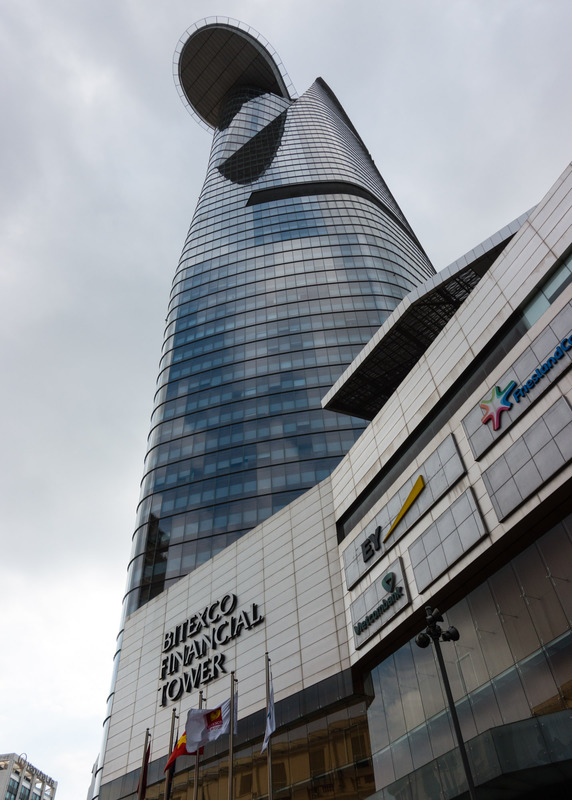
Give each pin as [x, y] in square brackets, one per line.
[180, 750]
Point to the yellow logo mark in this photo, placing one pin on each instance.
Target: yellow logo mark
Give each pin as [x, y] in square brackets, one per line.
[418, 487]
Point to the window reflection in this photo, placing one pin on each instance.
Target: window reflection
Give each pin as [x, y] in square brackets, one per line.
[503, 669]
[270, 303]
[327, 757]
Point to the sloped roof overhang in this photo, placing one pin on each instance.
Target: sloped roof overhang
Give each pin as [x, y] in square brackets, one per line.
[396, 348]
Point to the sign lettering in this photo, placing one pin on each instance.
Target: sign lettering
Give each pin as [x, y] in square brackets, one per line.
[373, 542]
[498, 401]
[189, 658]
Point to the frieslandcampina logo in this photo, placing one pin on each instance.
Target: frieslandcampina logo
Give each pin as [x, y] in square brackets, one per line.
[498, 401]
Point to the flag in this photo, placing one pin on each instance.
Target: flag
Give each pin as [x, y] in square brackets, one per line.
[169, 781]
[179, 750]
[206, 724]
[142, 784]
[270, 717]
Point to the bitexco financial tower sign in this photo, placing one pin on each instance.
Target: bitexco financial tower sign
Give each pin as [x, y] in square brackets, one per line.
[191, 655]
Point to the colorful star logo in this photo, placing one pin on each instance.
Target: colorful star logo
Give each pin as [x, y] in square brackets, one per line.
[494, 405]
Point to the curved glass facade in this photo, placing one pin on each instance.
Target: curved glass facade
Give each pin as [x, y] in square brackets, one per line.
[296, 254]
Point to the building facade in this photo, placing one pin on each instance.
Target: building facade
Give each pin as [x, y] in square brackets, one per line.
[20, 780]
[456, 495]
[297, 252]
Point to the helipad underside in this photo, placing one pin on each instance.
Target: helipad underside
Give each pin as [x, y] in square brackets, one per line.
[219, 58]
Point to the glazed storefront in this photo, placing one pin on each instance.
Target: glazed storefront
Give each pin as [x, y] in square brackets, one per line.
[512, 663]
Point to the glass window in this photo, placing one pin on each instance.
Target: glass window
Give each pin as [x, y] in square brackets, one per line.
[514, 614]
[503, 668]
[510, 696]
[539, 684]
[541, 599]
[548, 292]
[493, 644]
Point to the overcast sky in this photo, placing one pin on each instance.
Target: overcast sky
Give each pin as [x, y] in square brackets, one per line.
[465, 108]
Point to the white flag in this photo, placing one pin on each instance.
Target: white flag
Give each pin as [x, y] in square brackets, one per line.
[206, 724]
[270, 718]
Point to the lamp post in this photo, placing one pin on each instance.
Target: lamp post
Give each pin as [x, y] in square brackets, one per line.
[434, 633]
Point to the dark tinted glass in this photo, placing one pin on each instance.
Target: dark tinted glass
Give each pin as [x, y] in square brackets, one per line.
[280, 285]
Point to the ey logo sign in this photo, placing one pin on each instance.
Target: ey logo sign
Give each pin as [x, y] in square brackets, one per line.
[373, 542]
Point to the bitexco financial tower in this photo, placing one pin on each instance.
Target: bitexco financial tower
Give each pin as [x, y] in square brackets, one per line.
[296, 254]
[343, 440]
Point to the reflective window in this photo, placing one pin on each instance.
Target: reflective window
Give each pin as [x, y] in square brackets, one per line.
[270, 302]
[512, 661]
[558, 280]
[326, 757]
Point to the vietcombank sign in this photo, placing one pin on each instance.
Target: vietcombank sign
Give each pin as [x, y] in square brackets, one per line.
[395, 593]
[379, 603]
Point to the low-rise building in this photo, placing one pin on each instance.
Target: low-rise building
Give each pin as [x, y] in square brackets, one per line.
[21, 780]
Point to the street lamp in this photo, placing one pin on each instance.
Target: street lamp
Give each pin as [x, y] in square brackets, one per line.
[434, 633]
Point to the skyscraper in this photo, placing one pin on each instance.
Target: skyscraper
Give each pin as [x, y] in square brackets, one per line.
[456, 496]
[296, 254]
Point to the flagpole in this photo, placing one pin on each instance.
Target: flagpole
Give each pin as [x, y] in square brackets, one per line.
[231, 740]
[141, 789]
[269, 747]
[171, 746]
[196, 785]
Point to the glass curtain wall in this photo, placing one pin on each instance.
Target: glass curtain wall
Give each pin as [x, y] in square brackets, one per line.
[513, 661]
[296, 254]
[327, 757]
